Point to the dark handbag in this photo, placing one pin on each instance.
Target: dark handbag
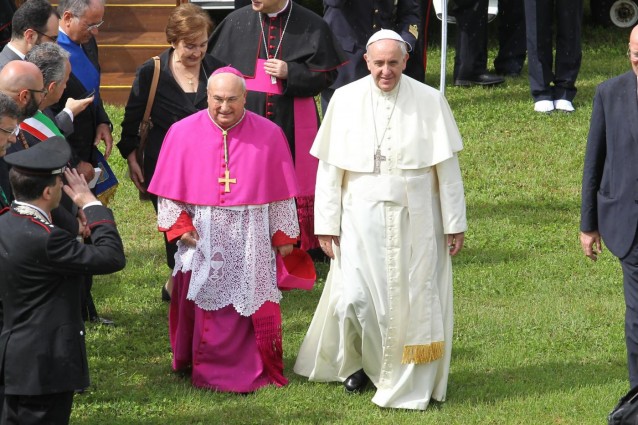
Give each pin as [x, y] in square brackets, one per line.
[146, 123]
[626, 411]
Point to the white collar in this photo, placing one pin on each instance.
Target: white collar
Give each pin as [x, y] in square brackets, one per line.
[274, 15]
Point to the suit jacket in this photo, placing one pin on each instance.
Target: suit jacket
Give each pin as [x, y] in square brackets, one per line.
[171, 104]
[42, 347]
[86, 122]
[62, 121]
[7, 55]
[610, 177]
[354, 21]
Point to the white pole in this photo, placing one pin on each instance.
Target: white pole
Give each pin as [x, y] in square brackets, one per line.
[443, 45]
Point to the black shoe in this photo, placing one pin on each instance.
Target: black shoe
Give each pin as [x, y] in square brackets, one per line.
[102, 321]
[356, 382]
[485, 79]
[165, 295]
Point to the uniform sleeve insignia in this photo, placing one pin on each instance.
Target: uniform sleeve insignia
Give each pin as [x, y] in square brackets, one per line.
[414, 30]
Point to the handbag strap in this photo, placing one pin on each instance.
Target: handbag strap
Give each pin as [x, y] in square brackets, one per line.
[151, 93]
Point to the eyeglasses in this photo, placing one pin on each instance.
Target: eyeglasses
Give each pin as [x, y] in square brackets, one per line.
[43, 92]
[220, 101]
[94, 26]
[53, 38]
[13, 132]
[632, 55]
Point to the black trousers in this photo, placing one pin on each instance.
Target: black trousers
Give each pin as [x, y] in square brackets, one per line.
[630, 286]
[553, 78]
[512, 43]
[471, 38]
[46, 409]
[88, 305]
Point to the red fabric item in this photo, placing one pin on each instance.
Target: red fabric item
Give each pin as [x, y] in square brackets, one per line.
[280, 239]
[296, 271]
[184, 224]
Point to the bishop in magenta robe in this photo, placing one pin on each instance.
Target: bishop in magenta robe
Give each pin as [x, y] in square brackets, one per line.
[226, 186]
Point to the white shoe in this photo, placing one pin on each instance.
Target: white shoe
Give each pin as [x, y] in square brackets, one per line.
[563, 105]
[544, 106]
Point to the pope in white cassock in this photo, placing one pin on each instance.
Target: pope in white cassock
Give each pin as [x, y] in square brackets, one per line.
[390, 213]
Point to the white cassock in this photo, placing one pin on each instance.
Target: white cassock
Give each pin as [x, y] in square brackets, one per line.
[387, 303]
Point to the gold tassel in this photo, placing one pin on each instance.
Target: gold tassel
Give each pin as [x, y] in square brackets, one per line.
[419, 354]
[107, 196]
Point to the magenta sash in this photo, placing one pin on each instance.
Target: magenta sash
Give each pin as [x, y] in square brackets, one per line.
[305, 128]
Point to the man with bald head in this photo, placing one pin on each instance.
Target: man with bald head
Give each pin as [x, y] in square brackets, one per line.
[35, 22]
[23, 82]
[609, 209]
[231, 212]
[390, 213]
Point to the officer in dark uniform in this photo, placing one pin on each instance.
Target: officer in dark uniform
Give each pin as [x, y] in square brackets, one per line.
[512, 42]
[354, 21]
[470, 61]
[42, 348]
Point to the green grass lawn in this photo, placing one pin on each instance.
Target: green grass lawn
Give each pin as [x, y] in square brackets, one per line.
[539, 328]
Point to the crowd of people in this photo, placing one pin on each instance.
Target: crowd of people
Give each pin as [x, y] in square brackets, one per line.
[371, 181]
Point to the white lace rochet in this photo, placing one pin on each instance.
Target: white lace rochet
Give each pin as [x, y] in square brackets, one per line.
[234, 261]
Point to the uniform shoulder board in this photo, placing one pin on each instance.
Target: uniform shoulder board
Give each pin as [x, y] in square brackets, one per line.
[34, 215]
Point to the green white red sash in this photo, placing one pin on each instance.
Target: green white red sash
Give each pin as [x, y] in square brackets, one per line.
[40, 126]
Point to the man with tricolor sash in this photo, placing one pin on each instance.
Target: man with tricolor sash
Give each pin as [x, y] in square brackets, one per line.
[53, 62]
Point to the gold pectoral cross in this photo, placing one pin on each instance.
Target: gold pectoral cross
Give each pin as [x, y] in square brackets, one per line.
[226, 180]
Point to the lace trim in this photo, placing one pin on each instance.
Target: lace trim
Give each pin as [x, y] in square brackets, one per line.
[234, 261]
